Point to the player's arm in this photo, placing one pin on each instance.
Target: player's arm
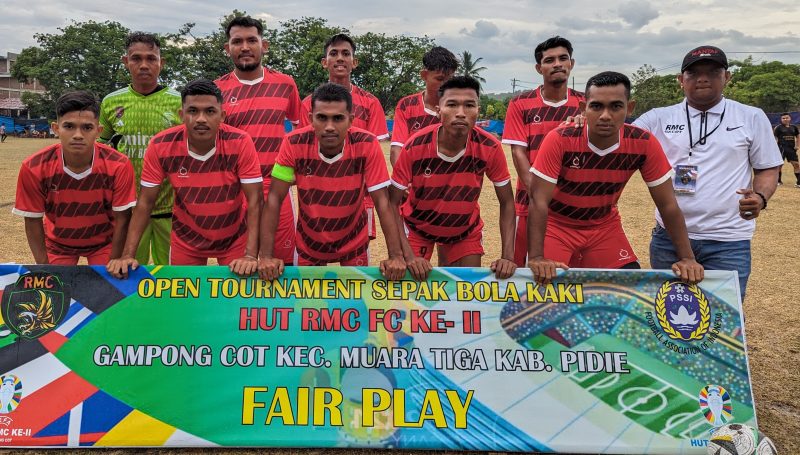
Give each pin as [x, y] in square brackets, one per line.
[419, 267]
[505, 266]
[393, 268]
[394, 153]
[541, 193]
[34, 232]
[248, 264]
[122, 220]
[687, 268]
[138, 223]
[269, 267]
[522, 163]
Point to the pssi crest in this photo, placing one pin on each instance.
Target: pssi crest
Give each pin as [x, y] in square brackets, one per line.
[682, 311]
[35, 304]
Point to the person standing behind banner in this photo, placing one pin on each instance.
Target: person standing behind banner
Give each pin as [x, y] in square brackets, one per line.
[533, 114]
[726, 166]
[333, 166]
[257, 99]
[130, 117]
[76, 196]
[417, 111]
[787, 136]
[340, 60]
[443, 166]
[214, 170]
[578, 177]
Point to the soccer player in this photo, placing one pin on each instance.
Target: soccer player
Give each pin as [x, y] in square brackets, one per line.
[443, 165]
[76, 196]
[533, 114]
[333, 166]
[417, 111]
[579, 175]
[130, 117]
[787, 136]
[258, 100]
[213, 168]
[340, 60]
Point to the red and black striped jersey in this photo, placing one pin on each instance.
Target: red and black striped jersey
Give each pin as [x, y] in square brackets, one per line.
[210, 207]
[443, 202]
[410, 116]
[367, 112]
[259, 107]
[77, 208]
[589, 181]
[332, 222]
[528, 120]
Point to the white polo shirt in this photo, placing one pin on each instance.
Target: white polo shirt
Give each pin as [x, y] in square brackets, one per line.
[742, 141]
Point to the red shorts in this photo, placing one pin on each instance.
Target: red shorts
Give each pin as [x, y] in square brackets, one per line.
[521, 241]
[359, 260]
[98, 257]
[285, 234]
[598, 247]
[448, 253]
[369, 206]
[179, 255]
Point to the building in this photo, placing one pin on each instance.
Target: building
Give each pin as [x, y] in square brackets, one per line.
[11, 89]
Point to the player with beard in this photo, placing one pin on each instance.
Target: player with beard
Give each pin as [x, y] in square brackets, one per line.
[340, 60]
[258, 100]
[533, 114]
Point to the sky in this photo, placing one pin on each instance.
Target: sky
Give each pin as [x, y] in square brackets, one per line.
[609, 35]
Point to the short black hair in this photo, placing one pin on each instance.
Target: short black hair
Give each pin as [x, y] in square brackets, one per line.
[786, 113]
[439, 59]
[80, 100]
[199, 87]
[142, 37]
[330, 92]
[609, 79]
[461, 82]
[246, 22]
[550, 43]
[337, 38]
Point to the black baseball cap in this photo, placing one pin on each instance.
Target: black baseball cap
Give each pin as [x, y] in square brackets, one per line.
[710, 53]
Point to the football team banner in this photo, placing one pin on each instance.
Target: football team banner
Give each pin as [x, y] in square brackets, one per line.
[596, 362]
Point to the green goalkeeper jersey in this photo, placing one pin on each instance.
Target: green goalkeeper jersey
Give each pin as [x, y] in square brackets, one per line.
[130, 119]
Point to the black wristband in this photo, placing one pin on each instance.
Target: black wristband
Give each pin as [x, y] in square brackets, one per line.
[763, 199]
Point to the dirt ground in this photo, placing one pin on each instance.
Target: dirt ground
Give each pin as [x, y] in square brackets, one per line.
[773, 324]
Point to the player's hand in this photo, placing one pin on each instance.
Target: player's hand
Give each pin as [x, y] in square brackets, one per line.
[574, 120]
[689, 270]
[244, 266]
[503, 268]
[544, 270]
[750, 204]
[419, 268]
[394, 268]
[270, 268]
[118, 268]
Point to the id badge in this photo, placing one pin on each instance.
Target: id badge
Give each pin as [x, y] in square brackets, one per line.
[685, 179]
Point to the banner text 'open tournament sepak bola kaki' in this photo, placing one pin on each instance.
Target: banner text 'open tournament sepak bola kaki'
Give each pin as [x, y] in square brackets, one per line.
[596, 362]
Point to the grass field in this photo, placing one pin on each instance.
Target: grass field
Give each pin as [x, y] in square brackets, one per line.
[773, 324]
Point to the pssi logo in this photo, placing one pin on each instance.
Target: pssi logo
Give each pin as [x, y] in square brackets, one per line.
[35, 304]
[673, 129]
[682, 311]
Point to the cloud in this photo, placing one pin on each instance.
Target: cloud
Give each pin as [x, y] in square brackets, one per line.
[483, 30]
[637, 13]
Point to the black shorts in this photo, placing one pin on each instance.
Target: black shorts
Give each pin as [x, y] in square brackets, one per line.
[789, 154]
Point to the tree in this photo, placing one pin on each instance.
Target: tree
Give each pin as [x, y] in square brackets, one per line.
[651, 90]
[82, 56]
[469, 67]
[772, 86]
[389, 66]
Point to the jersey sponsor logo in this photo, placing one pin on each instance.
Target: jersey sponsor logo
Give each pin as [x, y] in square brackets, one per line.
[576, 164]
[672, 129]
[233, 100]
[35, 304]
[734, 128]
[119, 111]
[183, 172]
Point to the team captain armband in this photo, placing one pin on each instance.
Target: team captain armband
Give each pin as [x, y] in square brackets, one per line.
[284, 173]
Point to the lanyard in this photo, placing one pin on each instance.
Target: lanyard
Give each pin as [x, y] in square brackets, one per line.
[704, 133]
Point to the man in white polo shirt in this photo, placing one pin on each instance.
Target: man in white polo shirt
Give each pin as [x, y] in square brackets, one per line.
[726, 166]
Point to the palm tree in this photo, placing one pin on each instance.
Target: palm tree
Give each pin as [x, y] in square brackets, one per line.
[469, 67]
